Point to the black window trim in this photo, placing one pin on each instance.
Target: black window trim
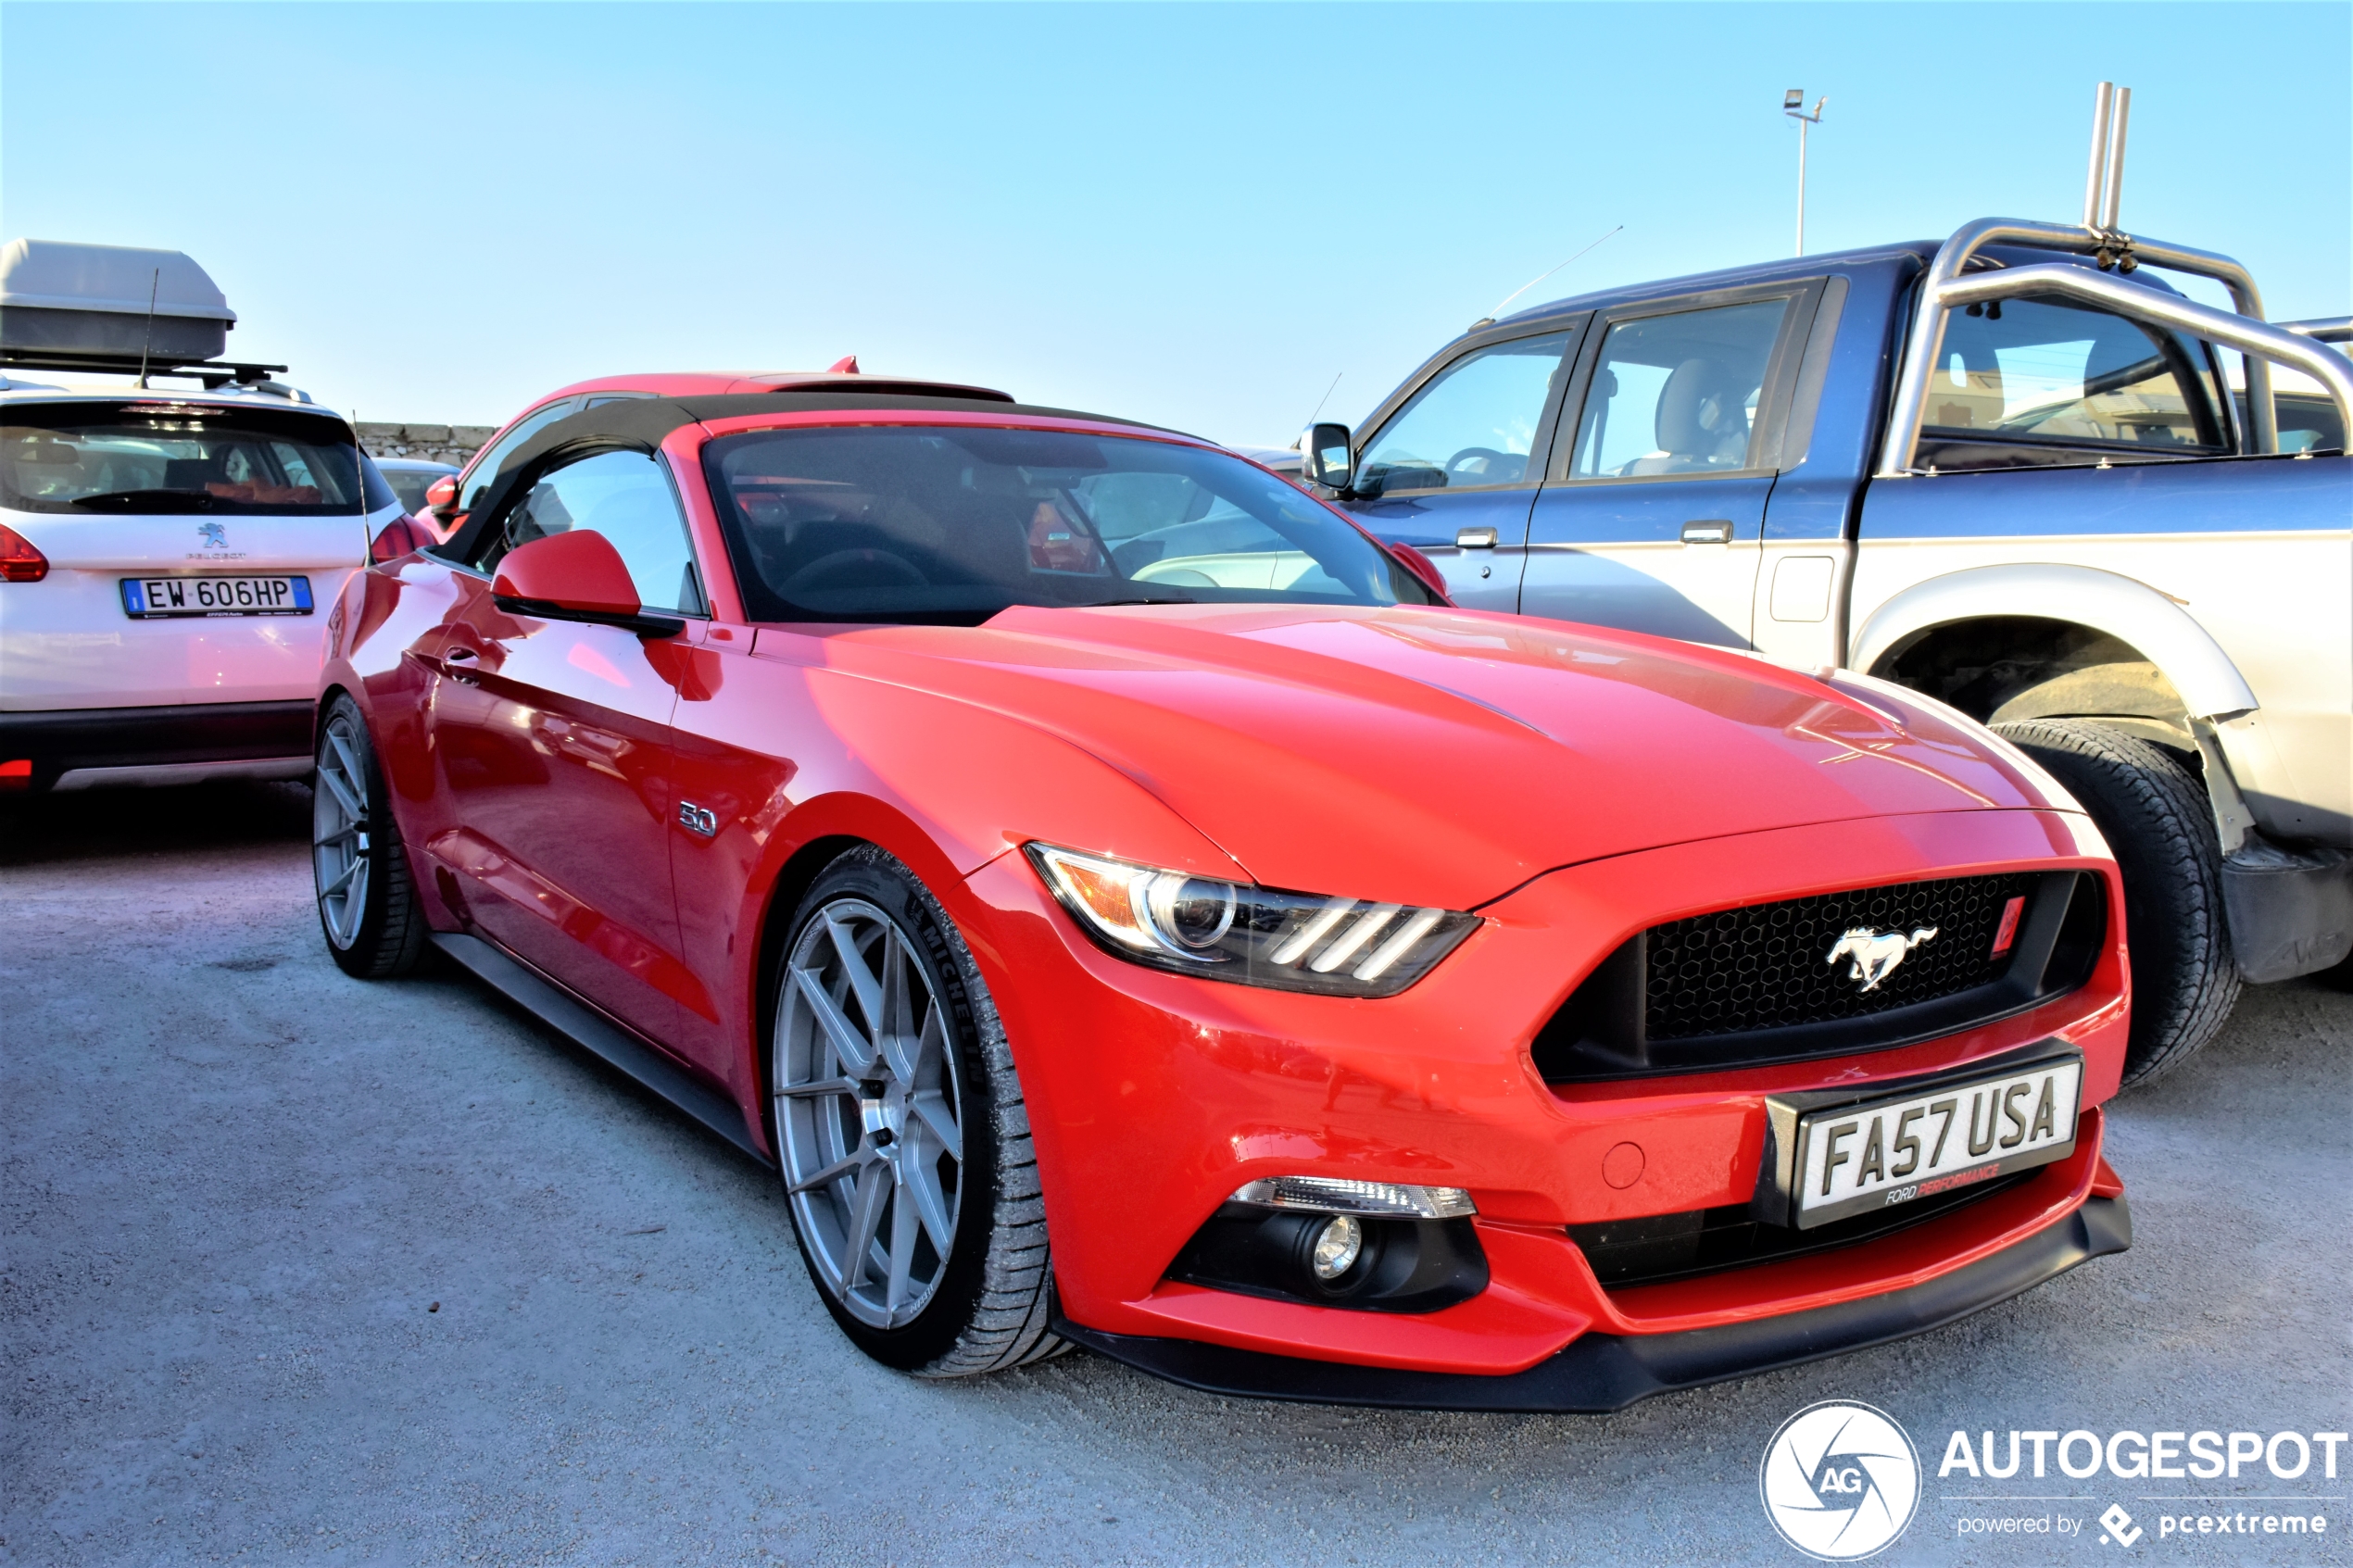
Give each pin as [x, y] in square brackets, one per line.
[1766, 443]
[529, 414]
[1444, 361]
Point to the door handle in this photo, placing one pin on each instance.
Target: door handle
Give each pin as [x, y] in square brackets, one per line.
[1476, 538]
[456, 656]
[1708, 531]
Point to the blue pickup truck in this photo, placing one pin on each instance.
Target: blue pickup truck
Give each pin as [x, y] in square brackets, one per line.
[2012, 471]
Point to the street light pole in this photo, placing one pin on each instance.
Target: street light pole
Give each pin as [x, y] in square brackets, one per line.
[1794, 106]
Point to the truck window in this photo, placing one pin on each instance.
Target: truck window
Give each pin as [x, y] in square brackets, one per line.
[2038, 382]
[1473, 424]
[1677, 394]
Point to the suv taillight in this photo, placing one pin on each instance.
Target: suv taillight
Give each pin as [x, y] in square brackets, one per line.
[19, 562]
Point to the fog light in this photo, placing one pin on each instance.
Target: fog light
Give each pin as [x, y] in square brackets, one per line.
[1337, 1246]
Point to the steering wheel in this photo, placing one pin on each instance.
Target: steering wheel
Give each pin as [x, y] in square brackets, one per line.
[860, 568]
[1454, 464]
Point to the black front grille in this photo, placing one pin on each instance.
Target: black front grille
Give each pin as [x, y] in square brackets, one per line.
[1769, 966]
[1745, 987]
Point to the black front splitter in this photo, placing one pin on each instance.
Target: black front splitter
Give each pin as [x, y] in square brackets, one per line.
[1607, 1371]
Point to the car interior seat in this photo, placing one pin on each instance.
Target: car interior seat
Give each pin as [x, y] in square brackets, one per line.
[1701, 422]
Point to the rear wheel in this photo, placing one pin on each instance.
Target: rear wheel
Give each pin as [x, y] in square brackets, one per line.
[901, 1134]
[2152, 812]
[367, 901]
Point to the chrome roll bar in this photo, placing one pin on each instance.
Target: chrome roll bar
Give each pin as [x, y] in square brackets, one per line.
[2259, 340]
[1926, 339]
[2322, 329]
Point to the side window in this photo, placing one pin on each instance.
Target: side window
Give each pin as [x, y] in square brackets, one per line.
[1473, 424]
[2050, 373]
[626, 497]
[486, 467]
[1677, 394]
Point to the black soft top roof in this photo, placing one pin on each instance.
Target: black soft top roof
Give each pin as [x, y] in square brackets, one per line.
[641, 424]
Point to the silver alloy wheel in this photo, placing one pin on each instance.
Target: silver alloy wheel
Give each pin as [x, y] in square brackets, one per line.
[870, 1112]
[339, 851]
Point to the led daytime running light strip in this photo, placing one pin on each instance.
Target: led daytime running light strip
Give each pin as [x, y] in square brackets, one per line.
[1339, 1194]
[1136, 906]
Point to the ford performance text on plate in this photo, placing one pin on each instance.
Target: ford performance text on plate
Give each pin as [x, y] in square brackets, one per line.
[1129, 907]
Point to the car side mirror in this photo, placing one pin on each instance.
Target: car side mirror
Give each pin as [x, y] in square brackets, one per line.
[1328, 460]
[441, 496]
[577, 575]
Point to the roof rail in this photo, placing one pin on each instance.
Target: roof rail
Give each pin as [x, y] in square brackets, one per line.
[213, 373]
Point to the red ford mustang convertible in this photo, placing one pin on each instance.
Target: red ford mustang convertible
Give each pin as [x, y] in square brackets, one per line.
[1130, 908]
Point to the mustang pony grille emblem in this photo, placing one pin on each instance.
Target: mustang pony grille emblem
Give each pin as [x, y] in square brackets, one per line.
[1875, 956]
[215, 535]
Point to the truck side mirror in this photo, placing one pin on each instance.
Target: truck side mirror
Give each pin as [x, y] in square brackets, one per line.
[1329, 457]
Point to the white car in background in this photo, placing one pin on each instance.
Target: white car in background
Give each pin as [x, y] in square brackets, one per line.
[167, 558]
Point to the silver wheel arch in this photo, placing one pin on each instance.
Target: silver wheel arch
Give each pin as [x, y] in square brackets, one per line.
[2220, 703]
[2124, 608]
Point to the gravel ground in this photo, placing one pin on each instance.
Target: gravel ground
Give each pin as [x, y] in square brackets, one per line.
[237, 1185]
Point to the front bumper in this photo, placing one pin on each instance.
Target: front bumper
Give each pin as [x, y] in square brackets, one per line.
[1609, 1372]
[78, 748]
[1151, 1097]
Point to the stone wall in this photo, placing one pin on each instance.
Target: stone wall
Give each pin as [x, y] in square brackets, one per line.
[433, 443]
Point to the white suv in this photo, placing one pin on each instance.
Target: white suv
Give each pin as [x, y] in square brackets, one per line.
[167, 559]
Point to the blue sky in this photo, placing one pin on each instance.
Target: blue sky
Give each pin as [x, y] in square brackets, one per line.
[1196, 215]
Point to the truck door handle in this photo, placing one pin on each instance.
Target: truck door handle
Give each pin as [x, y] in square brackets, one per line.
[1708, 531]
[1476, 538]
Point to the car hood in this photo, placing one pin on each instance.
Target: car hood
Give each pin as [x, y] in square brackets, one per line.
[1441, 756]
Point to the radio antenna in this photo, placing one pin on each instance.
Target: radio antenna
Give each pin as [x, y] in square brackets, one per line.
[1534, 281]
[154, 285]
[1327, 394]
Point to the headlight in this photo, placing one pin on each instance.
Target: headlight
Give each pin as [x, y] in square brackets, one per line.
[1249, 935]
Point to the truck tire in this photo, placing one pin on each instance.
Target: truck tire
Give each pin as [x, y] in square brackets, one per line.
[2152, 812]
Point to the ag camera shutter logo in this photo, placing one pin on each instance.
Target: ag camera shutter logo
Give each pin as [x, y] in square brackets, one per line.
[1840, 1481]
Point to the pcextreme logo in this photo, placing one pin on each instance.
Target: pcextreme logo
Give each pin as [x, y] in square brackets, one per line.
[1840, 1481]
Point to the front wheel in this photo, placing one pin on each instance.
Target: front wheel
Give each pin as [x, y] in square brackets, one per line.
[367, 901]
[2153, 815]
[901, 1131]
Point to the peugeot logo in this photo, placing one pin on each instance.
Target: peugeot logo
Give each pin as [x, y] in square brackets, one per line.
[214, 535]
[1875, 956]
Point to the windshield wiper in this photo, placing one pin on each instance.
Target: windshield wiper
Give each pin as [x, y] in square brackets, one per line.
[1103, 604]
[149, 501]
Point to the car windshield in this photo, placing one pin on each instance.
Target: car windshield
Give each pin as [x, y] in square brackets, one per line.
[908, 524]
[85, 458]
